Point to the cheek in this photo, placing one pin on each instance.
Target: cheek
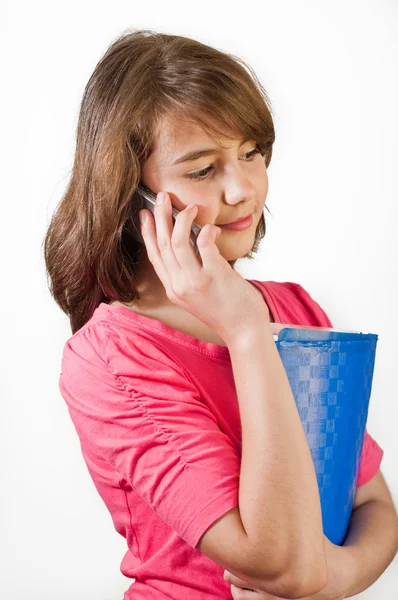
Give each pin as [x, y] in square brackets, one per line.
[262, 181]
[262, 189]
[206, 214]
[182, 196]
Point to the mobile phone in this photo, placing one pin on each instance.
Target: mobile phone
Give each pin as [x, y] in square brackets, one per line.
[146, 198]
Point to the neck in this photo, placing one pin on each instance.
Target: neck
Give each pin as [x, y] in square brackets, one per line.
[149, 286]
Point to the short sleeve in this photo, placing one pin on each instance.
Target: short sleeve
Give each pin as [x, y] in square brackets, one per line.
[309, 311]
[148, 422]
[371, 458]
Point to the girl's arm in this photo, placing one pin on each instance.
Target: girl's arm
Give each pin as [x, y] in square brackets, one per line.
[279, 499]
[369, 548]
[372, 536]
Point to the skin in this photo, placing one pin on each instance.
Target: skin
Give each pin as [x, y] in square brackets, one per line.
[234, 188]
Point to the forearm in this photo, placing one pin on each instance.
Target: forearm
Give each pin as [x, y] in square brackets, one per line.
[279, 499]
[373, 540]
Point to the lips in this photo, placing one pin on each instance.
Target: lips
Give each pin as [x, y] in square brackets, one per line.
[240, 225]
[237, 220]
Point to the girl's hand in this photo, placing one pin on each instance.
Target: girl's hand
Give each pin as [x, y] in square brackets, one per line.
[212, 291]
[341, 570]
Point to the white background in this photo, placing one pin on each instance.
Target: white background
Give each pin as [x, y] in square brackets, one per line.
[330, 69]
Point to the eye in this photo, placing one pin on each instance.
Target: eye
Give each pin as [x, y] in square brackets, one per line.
[204, 173]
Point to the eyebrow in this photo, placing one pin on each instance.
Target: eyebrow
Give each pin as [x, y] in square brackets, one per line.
[195, 154]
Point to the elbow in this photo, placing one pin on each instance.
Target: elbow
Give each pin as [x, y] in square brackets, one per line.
[302, 581]
[287, 586]
[309, 569]
[308, 579]
[300, 575]
[305, 587]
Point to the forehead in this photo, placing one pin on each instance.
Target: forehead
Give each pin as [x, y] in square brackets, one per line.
[175, 136]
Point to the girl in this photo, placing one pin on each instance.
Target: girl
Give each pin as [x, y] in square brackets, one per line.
[184, 412]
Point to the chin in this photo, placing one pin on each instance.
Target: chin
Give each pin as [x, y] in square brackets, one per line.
[235, 253]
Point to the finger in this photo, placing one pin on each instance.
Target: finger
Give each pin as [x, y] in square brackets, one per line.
[244, 594]
[148, 232]
[206, 242]
[241, 583]
[182, 247]
[251, 591]
[164, 230]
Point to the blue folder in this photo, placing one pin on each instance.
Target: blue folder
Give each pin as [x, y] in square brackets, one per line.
[330, 373]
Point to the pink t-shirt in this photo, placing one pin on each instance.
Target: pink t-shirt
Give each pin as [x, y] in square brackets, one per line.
[157, 416]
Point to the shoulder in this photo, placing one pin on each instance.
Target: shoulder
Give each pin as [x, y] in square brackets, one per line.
[295, 304]
[105, 352]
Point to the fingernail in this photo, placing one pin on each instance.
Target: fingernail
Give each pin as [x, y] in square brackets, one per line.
[142, 216]
[161, 197]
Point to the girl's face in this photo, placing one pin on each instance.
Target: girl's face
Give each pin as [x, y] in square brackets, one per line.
[226, 183]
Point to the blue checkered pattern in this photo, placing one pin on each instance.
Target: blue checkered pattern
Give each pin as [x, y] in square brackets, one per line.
[331, 380]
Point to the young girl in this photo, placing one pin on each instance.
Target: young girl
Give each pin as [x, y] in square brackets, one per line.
[185, 415]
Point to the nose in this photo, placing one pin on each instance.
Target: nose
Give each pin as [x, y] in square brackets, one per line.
[238, 186]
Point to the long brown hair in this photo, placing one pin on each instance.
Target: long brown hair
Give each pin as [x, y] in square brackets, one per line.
[143, 76]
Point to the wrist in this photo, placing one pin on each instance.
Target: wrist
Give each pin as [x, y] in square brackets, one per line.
[248, 336]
